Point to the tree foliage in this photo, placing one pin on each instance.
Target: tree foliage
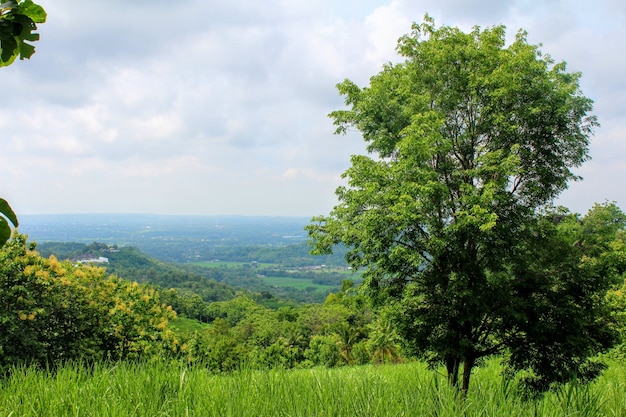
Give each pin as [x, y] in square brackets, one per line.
[469, 140]
[55, 311]
[18, 21]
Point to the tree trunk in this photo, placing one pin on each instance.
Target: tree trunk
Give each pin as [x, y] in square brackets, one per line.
[453, 364]
[468, 365]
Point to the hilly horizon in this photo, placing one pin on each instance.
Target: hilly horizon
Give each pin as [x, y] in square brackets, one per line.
[149, 230]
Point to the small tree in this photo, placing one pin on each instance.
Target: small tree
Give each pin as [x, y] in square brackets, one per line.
[18, 19]
[469, 140]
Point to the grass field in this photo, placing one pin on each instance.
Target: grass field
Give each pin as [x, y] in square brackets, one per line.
[229, 264]
[162, 389]
[297, 283]
[187, 326]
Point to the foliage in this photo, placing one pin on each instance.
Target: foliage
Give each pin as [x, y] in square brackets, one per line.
[385, 344]
[324, 350]
[469, 140]
[617, 300]
[244, 333]
[6, 215]
[18, 19]
[55, 311]
[560, 318]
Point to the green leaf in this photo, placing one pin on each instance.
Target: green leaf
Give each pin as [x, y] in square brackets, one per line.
[6, 29]
[17, 23]
[26, 50]
[8, 51]
[7, 211]
[34, 11]
[5, 231]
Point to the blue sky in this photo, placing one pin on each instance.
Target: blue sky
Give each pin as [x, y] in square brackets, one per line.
[207, 107]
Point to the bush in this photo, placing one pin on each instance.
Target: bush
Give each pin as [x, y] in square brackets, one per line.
[55, 311]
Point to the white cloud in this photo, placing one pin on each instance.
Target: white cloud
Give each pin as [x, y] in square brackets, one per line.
[385, 26]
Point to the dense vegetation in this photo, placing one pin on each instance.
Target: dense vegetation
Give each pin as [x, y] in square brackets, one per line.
[90, 316]
[57, 311]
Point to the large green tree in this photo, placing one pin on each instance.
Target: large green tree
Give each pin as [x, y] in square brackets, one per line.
[469, 140]
[18, 19]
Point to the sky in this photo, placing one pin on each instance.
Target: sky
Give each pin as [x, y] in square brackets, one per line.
[220, 107]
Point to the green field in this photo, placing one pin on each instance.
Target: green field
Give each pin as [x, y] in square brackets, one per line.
[260, 265]
[230, 264]
[298, 278]
[171, 389]
[297, 283]
[184, 325]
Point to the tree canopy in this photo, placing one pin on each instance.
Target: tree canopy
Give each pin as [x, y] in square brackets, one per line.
[469, 142]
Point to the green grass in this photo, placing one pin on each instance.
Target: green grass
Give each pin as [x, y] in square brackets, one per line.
[162, 389]
[230, 264]
[297, 283]
[188, 326]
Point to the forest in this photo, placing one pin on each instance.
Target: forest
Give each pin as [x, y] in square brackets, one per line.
[444, 262]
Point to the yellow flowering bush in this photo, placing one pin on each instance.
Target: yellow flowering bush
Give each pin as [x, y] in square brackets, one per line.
[52, 311]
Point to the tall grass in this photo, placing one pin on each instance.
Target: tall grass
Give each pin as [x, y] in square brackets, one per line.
[168, 389]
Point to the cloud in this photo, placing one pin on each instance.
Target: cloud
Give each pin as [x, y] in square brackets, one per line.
[221, 107]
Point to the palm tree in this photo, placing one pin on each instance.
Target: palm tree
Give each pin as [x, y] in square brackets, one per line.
[384, 342]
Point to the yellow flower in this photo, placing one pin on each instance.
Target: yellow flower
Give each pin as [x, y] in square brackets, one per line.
[44, 275]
